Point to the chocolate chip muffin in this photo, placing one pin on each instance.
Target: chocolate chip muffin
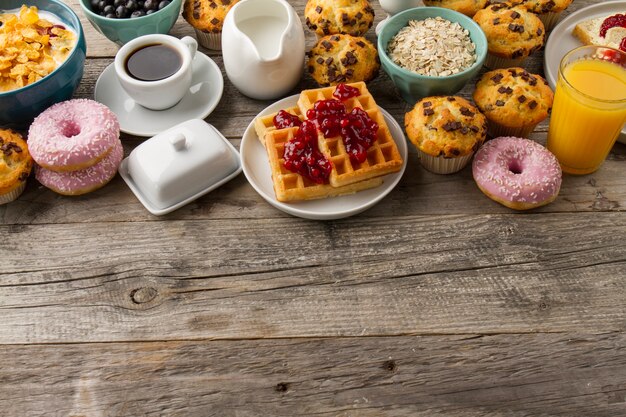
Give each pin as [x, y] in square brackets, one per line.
[207, 18]
[15, 165]
[343, 59]
[446, 130]
[467, 7]
[328, 17]
[549, 11]
[513, 33]
[513, 100]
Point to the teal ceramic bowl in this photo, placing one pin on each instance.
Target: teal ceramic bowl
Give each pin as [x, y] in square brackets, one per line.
[19, 107]
[121, 31]
[413, 86]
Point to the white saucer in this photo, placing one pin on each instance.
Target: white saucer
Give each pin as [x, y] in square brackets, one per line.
[562, 40]
[256, 168]
[204, 94]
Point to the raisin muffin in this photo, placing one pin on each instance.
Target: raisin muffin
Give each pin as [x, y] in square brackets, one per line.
[513, 33]
[15, 165]
[207, 18]
[343, 59]
[513, 100]
[549, 11]
[446, 130]
[467, 7]
[328, 17]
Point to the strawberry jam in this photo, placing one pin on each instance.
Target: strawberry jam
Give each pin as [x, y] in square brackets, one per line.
[327, 114]
[303, 156]
[284, 119]
[618, 20]
[358, 131]
[343, 92]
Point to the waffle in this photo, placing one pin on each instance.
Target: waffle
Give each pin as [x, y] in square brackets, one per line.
[264, 124]
[383, 156]
[290, 186]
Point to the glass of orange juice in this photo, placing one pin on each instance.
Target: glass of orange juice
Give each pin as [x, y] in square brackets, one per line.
[589, 107]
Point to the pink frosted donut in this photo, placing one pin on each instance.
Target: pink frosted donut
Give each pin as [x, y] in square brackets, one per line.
[518, 173]
[73, 135]
[84, 180]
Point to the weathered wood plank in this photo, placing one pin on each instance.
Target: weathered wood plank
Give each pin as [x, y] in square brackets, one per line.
[288, 278]
[504, 376]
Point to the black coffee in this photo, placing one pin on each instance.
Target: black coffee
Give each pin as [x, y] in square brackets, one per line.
[153, 62]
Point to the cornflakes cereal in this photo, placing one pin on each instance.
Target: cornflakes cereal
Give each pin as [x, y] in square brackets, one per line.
[30, 47]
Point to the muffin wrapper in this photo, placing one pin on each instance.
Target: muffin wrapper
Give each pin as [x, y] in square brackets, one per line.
[209, 40]
[496, 130]
[495, 62]
[441, 165]
[550, 20]
[13, 195]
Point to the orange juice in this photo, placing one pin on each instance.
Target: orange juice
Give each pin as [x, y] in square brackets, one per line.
[588, 113]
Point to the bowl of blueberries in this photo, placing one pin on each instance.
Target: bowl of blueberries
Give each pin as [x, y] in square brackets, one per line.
[123, 20]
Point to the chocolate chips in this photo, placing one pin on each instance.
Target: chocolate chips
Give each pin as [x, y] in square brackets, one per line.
[521, 98]
[320, 60]
[515, 15]
[215, 21]
[428, 112]
[318, 9]
[427, 104]
[505, 90]
[466, 112]
[8, 148]
[496, 21]
[497, 78]
[23, 176]
[361, 44]
[327, 45]
[349, 59]
[533, 104]
[452, 126]
[499, 103]
[513, 27]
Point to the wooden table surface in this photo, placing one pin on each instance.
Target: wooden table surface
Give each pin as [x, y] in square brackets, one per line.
[437, 301]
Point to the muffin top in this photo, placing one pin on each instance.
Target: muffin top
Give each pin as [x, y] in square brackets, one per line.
[448, 126]
[546, 6]
[512, 31]
[343, 58]
[327, 17]
[467, 7]
[513, 97]
[15, 160]
[207, 15]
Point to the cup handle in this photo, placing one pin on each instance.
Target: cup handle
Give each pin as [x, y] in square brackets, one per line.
[191, 43]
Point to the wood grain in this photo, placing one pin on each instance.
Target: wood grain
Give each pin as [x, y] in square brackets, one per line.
[494, 376]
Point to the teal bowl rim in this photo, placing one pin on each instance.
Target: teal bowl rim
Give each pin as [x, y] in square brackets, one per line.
[436, 11]
[81, 35]
[85, 7]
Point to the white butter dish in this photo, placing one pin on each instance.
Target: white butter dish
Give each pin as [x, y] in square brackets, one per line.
[179, 165]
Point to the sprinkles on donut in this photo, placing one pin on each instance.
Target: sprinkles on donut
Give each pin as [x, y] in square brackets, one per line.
[517, 173]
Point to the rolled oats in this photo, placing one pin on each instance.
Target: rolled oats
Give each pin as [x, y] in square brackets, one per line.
[434, 47]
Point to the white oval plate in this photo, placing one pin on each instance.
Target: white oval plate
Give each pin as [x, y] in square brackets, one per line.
[256, 168]
[207, 85]
[561, 39]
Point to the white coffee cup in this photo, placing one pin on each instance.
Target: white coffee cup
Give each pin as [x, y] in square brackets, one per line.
[163, 93]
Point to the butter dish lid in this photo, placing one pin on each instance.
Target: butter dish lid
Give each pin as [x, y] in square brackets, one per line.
[179, 165]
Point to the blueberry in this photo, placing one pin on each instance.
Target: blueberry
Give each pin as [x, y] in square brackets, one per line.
[109, 9]
[108, 2]
[101, 5]
[118, 3]
[111, 16]
[137, 13]
[150, 11]
[131, 5]
[94, 5]
[140, 4]
[151, 4]
[121, 12]
[163, 3]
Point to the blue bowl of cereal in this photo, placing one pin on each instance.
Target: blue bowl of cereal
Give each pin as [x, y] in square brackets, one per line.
[43, 70]
[429, 51]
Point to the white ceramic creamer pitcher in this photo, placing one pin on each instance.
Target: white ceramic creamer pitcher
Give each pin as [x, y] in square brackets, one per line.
[263, 48]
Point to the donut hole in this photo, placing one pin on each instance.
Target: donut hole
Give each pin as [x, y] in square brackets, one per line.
[515, 167]
[70, 129]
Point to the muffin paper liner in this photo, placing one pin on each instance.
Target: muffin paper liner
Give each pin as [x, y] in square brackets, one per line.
[209, 40]
[549, 20]
[496, 130]
[13, 195]
[441, 165]
[495, 62]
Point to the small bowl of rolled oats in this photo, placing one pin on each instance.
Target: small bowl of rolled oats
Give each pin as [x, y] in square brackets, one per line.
[430, 51]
